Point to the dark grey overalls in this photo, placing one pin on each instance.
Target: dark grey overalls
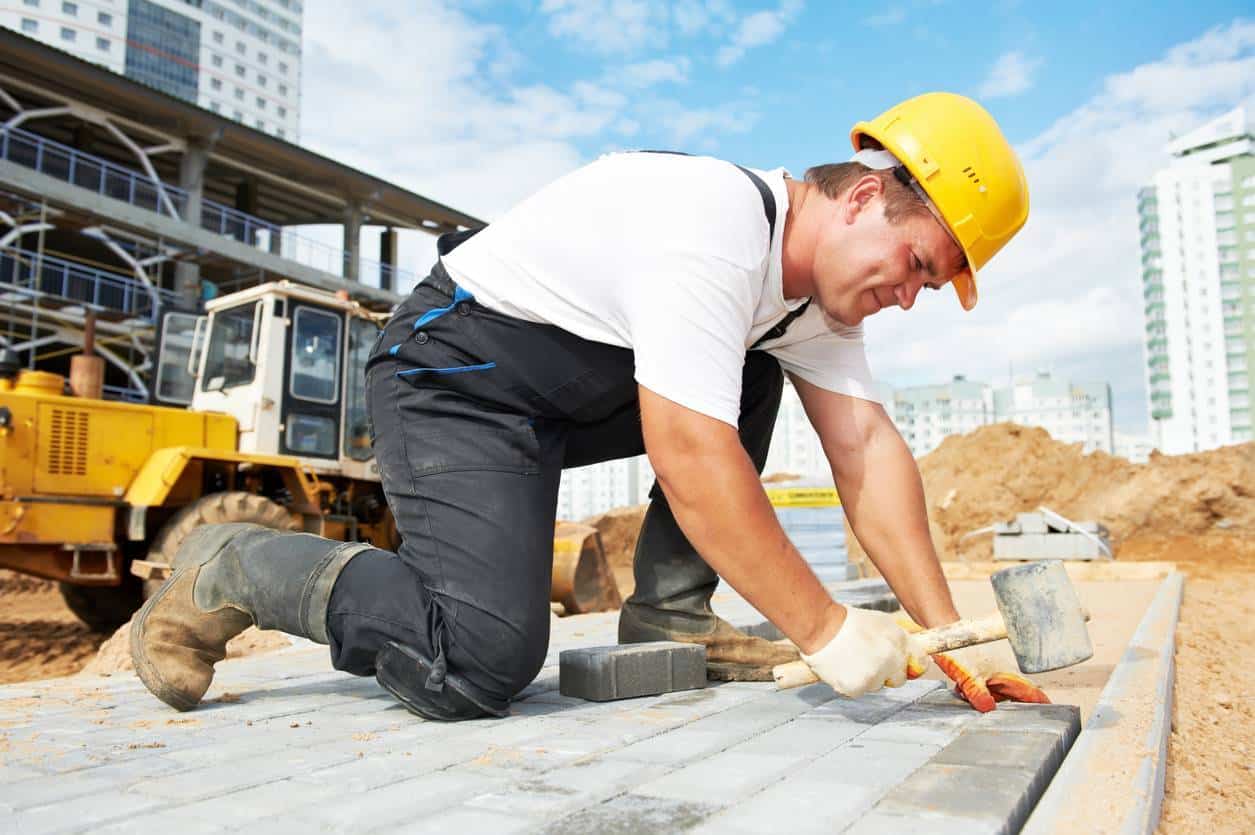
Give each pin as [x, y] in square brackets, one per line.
[474, 416]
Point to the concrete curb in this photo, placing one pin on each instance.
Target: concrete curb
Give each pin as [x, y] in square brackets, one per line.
[1113, 779]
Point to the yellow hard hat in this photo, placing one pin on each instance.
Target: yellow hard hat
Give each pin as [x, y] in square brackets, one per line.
[954, 149]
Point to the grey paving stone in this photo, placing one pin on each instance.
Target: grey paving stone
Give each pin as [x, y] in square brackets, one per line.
[922, 724]
[632, 814]
[878, 823]
[627, 671]
[241, 773]
[1001, 796]
[874, 762]
[1003, 748]
[720, 779]
[71, 815]
[800, 804]
[462, 819]
[802, 738]
[675, 747]
[1064, 720]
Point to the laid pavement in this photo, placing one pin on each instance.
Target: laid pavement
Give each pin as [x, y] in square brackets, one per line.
[285, 743]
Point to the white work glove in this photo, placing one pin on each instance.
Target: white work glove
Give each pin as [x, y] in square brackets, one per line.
[870, 651]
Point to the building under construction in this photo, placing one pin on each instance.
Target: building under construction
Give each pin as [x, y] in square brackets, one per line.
[122, 208]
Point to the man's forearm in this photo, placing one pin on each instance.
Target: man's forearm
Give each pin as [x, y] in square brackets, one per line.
[883, 498]
[720, 504]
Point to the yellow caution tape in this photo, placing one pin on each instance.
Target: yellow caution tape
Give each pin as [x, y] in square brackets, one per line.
[804, 497]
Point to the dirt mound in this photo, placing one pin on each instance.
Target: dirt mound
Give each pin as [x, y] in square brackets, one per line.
[619, 529]
[1154, 511]
[39, 636]
[115, 653]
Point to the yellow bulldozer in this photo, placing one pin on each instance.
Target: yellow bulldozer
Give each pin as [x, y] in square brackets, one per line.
[98, 494]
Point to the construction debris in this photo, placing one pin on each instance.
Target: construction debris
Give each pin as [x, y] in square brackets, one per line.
[1046, 535]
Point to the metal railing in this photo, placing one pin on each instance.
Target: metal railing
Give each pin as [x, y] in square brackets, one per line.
[67, 280]
[112, 180]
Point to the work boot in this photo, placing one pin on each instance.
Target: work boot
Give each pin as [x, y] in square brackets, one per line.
[671, 602]
[227, 578]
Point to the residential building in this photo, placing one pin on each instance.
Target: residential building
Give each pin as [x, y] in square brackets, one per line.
[1197, 221]
[238, 58]
[794, 445]
[1071, 412]
[1135, 448]
[926, 415]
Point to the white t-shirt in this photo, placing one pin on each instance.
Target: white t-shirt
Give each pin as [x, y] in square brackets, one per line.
[667, 255]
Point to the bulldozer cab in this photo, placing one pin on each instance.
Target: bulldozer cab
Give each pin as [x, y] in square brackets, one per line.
[288, 363]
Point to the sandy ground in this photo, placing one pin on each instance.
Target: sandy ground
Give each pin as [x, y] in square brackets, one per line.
[1210, 787]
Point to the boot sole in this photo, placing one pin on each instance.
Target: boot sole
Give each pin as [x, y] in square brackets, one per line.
[727, 671]
[145, 669]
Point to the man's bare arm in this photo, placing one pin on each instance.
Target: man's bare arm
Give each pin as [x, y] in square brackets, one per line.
[721, 506]
[883, 497]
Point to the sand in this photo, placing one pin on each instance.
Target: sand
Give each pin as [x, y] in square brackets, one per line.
[39, 636]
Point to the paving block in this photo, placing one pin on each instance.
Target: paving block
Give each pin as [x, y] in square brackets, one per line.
[878, 823]
[1003, 797]
[631, 670]
[797, 805]
[922, 724]
[632, 813]
[720, 779]
[878, 763]
[1022, 749]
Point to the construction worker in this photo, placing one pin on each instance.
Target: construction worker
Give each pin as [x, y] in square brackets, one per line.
[645, 303]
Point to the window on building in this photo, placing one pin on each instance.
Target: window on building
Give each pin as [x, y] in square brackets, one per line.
[104, 18]
[261, 103]
[239, 94]
[68, 34]
[218, 37]
[216, 60]
[102, 44]
[283, 89]
[215, 83]
[213, 105]
[261, 80]
[239, 117]
[29, 25]
[283, 68]
[240, 47]
[261, 125]
[34, 4]
[263, 58]
[280, 133]
[239, 70]
[70, 8]
[283, 112]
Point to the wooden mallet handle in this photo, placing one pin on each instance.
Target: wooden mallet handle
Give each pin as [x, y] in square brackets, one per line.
[962, 633]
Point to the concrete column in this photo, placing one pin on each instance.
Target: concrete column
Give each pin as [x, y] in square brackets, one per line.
[387, 257]
[352, 241]
[191, 180]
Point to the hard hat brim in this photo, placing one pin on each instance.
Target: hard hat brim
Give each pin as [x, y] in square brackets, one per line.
[965, 288]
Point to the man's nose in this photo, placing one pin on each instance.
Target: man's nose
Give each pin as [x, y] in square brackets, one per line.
[906, 293]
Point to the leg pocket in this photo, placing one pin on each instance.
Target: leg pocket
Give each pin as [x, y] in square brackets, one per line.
[509, 449]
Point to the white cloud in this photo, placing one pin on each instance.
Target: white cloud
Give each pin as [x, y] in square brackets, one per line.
[756, 30]
[608, 26]
[427, 97]
[1066, 293]
[657, 71]
[1010, 75]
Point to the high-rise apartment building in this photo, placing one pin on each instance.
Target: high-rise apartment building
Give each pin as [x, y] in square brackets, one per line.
[239, 58]
[1197, 223]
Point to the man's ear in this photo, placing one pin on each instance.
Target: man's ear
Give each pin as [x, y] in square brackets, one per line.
[866, 189]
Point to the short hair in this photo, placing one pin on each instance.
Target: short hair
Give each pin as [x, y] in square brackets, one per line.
[835, 179]
[901, 201]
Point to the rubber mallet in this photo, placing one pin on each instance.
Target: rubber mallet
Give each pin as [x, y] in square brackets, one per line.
[1038, 612]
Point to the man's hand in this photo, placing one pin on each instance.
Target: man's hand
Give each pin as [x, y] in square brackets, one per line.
[977, 682]
[869, 651]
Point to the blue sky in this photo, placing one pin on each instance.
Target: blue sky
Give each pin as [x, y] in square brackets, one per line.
[478, 103]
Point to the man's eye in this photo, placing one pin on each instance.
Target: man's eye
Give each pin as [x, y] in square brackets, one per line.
[915, 263]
